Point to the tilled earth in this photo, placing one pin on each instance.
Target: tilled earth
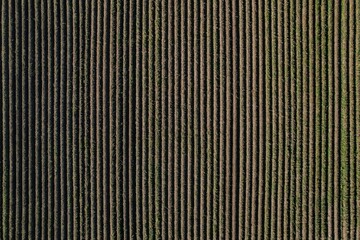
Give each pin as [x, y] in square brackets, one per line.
[180, 119]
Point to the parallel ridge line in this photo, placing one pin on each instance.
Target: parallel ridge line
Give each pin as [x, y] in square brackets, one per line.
[172, 119]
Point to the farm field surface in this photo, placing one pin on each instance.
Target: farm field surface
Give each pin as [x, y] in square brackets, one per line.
[180, 119]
